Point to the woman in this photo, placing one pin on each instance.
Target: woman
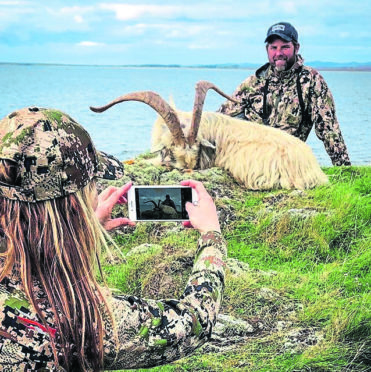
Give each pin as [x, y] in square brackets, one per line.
[53, 313]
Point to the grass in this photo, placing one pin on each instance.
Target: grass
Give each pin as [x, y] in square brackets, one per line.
[310, 250]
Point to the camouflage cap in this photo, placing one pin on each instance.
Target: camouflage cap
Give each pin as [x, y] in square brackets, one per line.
[54, 155]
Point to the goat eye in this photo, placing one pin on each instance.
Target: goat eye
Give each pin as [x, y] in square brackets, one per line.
[167, 156]
[163, 154]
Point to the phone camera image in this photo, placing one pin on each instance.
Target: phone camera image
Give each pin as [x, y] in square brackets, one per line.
[162, 203]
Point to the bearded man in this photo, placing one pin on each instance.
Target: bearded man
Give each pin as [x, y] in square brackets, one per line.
[287, 95]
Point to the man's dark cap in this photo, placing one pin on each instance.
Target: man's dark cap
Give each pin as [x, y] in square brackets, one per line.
[284, 30]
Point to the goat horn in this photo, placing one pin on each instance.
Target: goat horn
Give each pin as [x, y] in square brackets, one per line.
[158, 104]
[201, 89]
[151, 201]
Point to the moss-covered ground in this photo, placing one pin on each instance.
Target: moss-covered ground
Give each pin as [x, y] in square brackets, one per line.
[308, 280]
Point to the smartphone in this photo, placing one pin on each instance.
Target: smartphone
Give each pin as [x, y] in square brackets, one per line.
[160, 203]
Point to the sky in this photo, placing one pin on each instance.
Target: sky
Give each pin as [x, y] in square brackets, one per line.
[178, 32]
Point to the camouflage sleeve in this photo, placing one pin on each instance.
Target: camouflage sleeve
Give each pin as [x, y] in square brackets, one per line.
[154, 332]
[325, 122]
[240, 94]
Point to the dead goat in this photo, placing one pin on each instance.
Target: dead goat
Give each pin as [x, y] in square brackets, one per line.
[159, 211]
[257, 156]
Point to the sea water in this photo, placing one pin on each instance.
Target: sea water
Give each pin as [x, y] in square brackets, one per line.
[125, 129]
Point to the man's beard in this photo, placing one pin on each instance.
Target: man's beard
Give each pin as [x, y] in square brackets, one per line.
[284, 63]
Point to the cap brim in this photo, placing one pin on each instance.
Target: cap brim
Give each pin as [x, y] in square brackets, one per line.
[282, 36]
[109, 167]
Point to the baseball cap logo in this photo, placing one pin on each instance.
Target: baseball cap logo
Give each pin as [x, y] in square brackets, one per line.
[283, 30]
[278, 28]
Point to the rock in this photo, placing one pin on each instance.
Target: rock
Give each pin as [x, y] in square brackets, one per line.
[237, 267]
[145, 249]
[230, 332]
[298, 193]
[226, 215]
[268, 273]
[302, 213]
[273, 199]
[227, 326]
[281, 325]
[267, 294]
[301, 338]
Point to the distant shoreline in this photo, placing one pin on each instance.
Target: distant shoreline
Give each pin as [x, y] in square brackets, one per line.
[326, 66]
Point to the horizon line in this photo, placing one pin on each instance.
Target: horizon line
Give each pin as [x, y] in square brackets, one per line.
[362, 66]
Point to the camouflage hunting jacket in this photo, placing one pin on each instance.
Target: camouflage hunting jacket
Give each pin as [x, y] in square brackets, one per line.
[294, 101]
[146, 333]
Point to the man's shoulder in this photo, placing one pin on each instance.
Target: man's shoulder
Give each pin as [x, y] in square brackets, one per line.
[250, 80]
[310, 71]
[254, 80]
[262, 72]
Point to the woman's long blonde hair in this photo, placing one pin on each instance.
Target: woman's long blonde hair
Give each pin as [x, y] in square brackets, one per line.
[58, 243]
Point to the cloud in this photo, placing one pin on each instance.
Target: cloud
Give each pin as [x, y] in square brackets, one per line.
[78, 19]
[12, 3]
[198, 11]
[137, 29]
[145, 29]
[290, 7]
[13, 13]
[125, 12]
[173, 30]
[201, 46]
[76, 9]
[90, 44]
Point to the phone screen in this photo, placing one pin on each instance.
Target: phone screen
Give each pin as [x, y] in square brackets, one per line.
[162, 203]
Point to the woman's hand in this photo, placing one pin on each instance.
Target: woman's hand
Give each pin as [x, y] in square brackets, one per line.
[107, 199]
[202, 216]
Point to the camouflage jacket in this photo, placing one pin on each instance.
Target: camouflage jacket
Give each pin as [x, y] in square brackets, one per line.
[146, 332]
[273, 98]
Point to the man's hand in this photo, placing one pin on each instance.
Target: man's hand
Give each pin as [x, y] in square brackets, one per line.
[107, 199]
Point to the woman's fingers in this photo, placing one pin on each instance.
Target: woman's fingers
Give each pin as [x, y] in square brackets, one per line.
[106, 193]
[202, 216]
[113, 195]
[106, 201]
[117, 222]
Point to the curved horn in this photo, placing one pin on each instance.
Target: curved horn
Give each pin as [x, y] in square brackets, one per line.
[151, 201]
[157, 103]
[201, 89]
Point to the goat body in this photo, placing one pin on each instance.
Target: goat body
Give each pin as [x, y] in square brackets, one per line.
[159, 211]
[257, 156]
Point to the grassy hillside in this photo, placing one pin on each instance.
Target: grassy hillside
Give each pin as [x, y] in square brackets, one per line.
[297, 290]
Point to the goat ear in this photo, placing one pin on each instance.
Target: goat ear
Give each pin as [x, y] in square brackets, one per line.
[206, 143]
[172, 103]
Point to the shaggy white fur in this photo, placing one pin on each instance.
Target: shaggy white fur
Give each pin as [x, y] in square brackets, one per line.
[257, 156]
